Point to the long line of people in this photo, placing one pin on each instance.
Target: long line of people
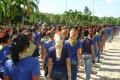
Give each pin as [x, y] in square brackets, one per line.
[61, 49]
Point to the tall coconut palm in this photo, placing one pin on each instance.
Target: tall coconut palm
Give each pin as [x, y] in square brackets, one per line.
[28, 7]
[6, 9]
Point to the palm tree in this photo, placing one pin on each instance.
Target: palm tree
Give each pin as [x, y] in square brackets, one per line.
[78, 17]
[28, 7]
[6, 9]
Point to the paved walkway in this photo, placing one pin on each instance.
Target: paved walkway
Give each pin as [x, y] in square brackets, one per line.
[110, 63]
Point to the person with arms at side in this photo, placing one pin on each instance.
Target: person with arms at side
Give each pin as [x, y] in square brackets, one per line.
[87, 53]
[59, 65]
[97, 45]
[75, 51]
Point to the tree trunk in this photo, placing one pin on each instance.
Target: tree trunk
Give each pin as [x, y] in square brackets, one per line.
[23, 19]
[9, 22]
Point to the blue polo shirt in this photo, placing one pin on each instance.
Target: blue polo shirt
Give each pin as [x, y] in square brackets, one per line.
[36, 38]
[96, 39]
[3, 57]
[73, 51]
[48, 44]
[25, 69]
[86, 44]
[105, 31]
[109, 31]
[59, 65]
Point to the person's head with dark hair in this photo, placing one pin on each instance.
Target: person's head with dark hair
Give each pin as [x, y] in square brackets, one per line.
[86, 33]
[58, 29]
[64, 32]
[76, 27]
[94, 31]
[20, 47]
[6, 38]
[30, 35]
[1, 37]
[91, 32]
[14, 31]
[48, 33]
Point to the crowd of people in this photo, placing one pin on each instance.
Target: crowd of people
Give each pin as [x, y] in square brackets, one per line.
[61, 49]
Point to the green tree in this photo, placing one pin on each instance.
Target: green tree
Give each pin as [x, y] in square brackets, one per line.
[87, 16]
[12, 9]
[7, 9]
[28, 7]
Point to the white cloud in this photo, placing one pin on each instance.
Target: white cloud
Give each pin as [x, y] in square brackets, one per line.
[110, 1]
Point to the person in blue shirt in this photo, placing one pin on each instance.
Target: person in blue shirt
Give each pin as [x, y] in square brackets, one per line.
[21, 66]
[110, 34]
[75, 51]
[87, 53]
[97, 46]
[108, 31]
[47, 42]
[59, 65]
[64, 32]
[37, 37]
[4, 52]
[103, 33]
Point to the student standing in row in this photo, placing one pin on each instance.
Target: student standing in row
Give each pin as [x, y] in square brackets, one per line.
[75, 50]
[87, 53]
[4, 52]
[59, 65]
[22, 66]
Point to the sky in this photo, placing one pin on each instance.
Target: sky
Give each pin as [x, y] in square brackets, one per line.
[101, 7]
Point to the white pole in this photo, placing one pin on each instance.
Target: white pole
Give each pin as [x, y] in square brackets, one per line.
[66, 11]
[93, 12]
[66, 5]
[118, 17]
[103, 18]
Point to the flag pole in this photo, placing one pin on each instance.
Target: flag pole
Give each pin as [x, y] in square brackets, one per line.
[93, 13]
[66, 11]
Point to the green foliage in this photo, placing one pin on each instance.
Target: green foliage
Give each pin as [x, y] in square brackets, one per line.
[13, 11]
[71, 18]
[87, 11]
[79, 18]
[26, 11]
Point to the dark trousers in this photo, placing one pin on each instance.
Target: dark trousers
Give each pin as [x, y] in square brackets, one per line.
[1, 75]
[74, 72]
[55, 75]
[46, 71]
